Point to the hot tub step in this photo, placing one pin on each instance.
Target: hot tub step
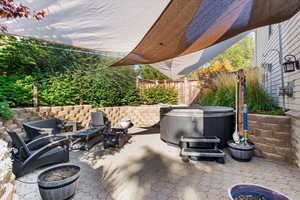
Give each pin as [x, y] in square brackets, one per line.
[202, 152]
[204, 139]
[201, 147]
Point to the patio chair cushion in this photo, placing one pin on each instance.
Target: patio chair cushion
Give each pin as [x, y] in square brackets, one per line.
[97, 119]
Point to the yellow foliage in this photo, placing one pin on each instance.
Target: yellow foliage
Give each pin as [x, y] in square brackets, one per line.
[215, 68]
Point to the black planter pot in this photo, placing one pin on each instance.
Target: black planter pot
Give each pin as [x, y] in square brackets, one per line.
[240, 152]
[59, 189]
[255, 191]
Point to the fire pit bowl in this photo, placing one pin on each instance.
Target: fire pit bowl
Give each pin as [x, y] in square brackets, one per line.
[254, 192]
[59, 182]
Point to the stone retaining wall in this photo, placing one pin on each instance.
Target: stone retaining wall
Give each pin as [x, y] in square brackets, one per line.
[272, 136]
[142, 116]
[295, 135]
[7, 178]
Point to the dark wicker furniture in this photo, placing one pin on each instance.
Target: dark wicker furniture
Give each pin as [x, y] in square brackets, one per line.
[38, 153]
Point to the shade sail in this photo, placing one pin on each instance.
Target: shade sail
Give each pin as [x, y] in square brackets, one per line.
[151, 30]
[177, 67]
[172, 68]
[191, 25]
[103, 25]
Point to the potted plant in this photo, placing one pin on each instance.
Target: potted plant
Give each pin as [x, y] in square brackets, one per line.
[241, 148]
[59, 182]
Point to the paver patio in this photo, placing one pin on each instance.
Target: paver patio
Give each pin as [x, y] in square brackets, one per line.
[147, 168]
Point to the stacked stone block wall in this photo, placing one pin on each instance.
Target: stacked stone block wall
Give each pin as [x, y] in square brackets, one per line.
[295, 137]
[272, 136]
[7, 178]
[141, 116]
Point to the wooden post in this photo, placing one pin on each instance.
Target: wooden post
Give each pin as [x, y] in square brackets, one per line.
[137, 83]
[186, 91]
[241, 77]
[156, 82]
[81, 96]
[35, 92]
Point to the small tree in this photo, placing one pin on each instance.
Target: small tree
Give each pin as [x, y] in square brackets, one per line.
[214, 69]
[12, 9]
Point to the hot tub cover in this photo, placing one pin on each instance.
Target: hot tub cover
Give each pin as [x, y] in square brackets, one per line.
[197, 111]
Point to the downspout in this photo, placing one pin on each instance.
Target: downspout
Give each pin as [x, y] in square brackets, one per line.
[280, 63]
[256, 54]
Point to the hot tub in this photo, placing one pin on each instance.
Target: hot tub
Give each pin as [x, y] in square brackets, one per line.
[196, 121]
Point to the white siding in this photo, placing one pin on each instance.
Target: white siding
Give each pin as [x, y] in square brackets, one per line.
[290, 45]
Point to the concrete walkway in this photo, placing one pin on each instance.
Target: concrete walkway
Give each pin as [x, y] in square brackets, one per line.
[149, 169]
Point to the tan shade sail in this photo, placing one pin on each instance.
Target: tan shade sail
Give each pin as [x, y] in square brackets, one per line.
[191, 25]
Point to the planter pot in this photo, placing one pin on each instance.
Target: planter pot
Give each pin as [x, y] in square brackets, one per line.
[59, 182]
[252, 191]
[239, 152]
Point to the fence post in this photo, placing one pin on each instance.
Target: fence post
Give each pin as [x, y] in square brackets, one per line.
[137, 83]
[35, 92]
[186, 91]
[81, 96]
[156, 82]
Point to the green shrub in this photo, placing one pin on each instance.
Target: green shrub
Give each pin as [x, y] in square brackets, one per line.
[160, 94]
[16, 90]
[59, 90]
[97, 84]
[132, 97]
[5, 111]
[62, 75]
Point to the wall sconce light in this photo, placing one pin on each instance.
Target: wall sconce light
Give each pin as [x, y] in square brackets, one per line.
[290, 89]
[291, 64]
[287, 90]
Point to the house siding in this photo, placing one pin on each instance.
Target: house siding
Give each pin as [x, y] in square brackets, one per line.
[290, 34]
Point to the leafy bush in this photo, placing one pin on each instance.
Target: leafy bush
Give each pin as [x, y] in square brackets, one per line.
[63, 76]
[160, 94]
[5, 111]
[132, 97]
[222, 93]
[214, 69]
[16, 90]
[100, 88]
[97, 84]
